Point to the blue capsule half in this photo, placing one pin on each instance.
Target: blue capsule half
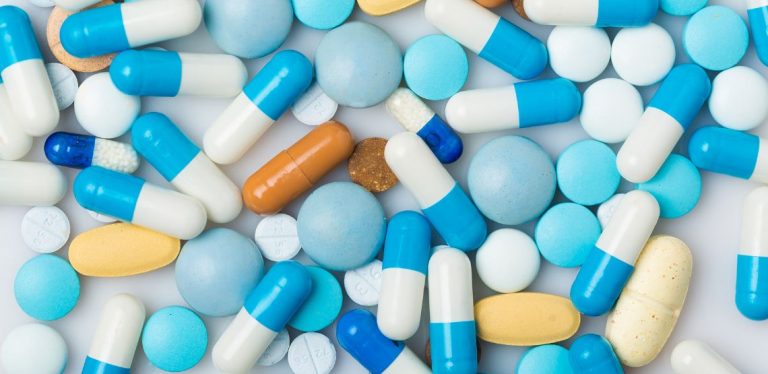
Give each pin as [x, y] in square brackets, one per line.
[407, 244]
[279, 295]
[359, 335]
[595, 294]
[682, 93]
[147, 73]
[725, 151]
[17, 36]
[280, 83]
[752, 286]
[593, 354]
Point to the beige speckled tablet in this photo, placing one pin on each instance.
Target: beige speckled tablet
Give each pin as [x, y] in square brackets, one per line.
[650, 304]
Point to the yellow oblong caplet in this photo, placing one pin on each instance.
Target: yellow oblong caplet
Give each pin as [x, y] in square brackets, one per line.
[384, 7]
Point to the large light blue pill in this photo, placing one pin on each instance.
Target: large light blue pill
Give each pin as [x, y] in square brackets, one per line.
[322, 306]
[174, 339]
[682, 7]
[322, 14]
[716, 38]
[677, 186]
[545, 359]
[587, 172]
[248, 28]
[435, 67]
[566, 234]
[46, 287]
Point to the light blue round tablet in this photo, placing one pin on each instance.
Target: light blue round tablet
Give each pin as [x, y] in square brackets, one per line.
[46, 287]
[341, 226]
[512, 180]
[682, 7]
[435, 67]
[587, 172]
[174, 339]
[323, 304]
[545, 359]
[217, 270]
[248, 28]
[566, 234]
[323, 14]
[716, 38]
[358, 65]
[677, 186]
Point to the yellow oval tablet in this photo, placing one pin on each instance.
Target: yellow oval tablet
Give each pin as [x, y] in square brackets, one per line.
[384, 7]
[121, 249]
[526, 319]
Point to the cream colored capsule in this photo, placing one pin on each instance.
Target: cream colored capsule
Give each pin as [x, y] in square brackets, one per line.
[650, 304]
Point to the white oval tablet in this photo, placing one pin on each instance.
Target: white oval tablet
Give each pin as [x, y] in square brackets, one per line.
[696, 357]
[311, 353]
[611, 109]
[45, 229]
[606, 209]
[739, 98]
[276, 350]
[102, 109]
[643, 55]
[363, 284]
[100, 217]
[578, 53]
[508, 261]
[314, 107]
[33, 348]
[63, 82]
[277, 237]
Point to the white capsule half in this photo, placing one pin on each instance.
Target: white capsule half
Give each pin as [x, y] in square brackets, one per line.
[31, 183]
[117, 334]
[630, 226]
[14, 142]
[400, 302]
[648, 146]
[31, 96]
[241, 345]
[696, 357]
[235, 131]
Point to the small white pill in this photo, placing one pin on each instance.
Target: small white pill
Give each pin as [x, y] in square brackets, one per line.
[739, 97]
[45, 229]
[276, 350]
[64, 83]
[314, 107]
[311, 353]
[606, 209]
[643, 55]
[508, 261]
[363, 284]
[611, 110]
[277, 237]
[33, 348]
[580, 54]
[42, 3]
[102, 109]
[100, 217]
[696, 357]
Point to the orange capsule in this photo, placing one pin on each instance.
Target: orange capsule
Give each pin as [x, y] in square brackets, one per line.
[296, 169]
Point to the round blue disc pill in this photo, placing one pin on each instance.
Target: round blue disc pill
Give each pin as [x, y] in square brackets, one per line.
[716, 38]
[549, 359]
[566, 234]
[435, 67]
[323, 304]
[587, 173]
[248, 28]
[322, 14]
[677, 186]
[46, 287]
[174, 339]
[682, 7]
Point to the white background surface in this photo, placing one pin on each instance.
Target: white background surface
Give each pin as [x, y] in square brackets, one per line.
[711, 230]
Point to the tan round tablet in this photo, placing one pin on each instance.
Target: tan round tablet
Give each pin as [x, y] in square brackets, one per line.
[85, 65]
[368, 168]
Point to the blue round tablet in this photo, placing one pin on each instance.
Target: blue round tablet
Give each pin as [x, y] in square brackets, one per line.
[435, 67]
[248, 28]
[677, 186]
[566, 234]
[716, 38]
[682, 7]
[323, 304]
[545, 359]
[587, 172]
[322, 14]
[46, 287]
[174, 339]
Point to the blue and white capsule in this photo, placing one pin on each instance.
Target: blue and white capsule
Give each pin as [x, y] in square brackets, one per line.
[133, 200]
[415, 116]
[610, 263]
[593, 354]
[183, 164]
[521, 105]
[23, 72]
[358, 334]
[752, 261]
[600, 13]
[725, 151]
[406, 254]
[169, 74]
[81, 151]
[274, 301]
[493, 38]
[441, 198]
[14, 142]
[671, 110]
[757, 11]
[266, 97]
[118, 27]
[117, 335]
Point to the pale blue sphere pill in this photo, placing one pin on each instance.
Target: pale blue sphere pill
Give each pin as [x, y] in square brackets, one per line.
[677, 186]
[682, 7]
[587, 172]
[248, 28]
[46, 287]
[716, 38]
[217, 270]
[358, 65]
[566, 234]
[323, 14]
[435, 67]
[512, 180]
[174, 339]
[323, 304]
[545, 359]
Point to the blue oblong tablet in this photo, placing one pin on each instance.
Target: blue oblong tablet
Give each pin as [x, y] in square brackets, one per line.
[322, 14]
[46, 287]
[566, 234]
[677, 186]
[587, 172]
[716, 38]
[174, 339]
[322, 306]
[435, 67]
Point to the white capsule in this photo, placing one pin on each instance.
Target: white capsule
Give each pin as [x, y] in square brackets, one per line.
[31, 183]
[117, 334]
[14, 142]
[696, 357]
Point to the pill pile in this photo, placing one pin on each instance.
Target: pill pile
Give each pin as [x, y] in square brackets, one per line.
[324, 270]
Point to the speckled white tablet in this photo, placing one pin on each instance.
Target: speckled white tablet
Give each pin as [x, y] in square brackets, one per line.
[102, 109]
[364, 284]
[311, 353]
[611, 109]
[739, 98]
[33, 348]
[314, 107]
[643, 55]
[64, 84]
[276, 350]
[277, 237]
[606, 209]
[101, 217]
[577, 53]
[45, 229]
[508, 261]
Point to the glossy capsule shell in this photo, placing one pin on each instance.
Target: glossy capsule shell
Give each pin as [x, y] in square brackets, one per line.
[14, 142]
[74, 5]
[600, 13]
[611, 262]
[133, 200]
[81, 151]
[183, 164]
[593, 354]
[274, 301]
[407, 246]
[697, 357]
[116, 337]
[522, 105]
[296, 169]
[441, 198]
[725, 151]
[31, 183]
[757, 12]
[167, 73]
[358, 334]
[493, 38]
[264, 99]
[671, 110]
[752, 260]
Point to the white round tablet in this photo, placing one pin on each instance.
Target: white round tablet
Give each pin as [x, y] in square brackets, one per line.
[364, 284]
[101, 217]
[277, 237]
[63, 82]
[643, 55]
[739, 98]
[276, 350]
[314, 107]
[102, 109]
[33, 348]
[606, 209]
[311, 353]
[578, 53]
[45, 229]
[508, 261]
[611, 109]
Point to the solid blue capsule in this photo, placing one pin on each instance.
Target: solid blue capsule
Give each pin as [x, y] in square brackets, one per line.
[725, 151]
[81, 151]
[593, 354]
